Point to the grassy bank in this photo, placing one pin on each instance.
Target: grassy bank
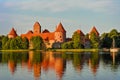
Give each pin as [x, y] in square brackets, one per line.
[76, 50]
[57, 50]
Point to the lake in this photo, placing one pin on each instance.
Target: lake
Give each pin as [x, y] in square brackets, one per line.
[59, 65]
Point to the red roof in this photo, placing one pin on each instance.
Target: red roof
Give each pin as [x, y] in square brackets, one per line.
[36, 24]
[80, 32]
[45, 31]
[60, 28]
[29, 32]
[13, 32]
[47, 36]
[94, 30]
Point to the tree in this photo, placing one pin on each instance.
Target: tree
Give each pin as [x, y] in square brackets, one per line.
[16, 43]
[64, 45]
[77, 43]
[106, 41]
[25, 43]
[4, 42]
[94, 39]
[113, 33]
[37, 42]
[76, 37]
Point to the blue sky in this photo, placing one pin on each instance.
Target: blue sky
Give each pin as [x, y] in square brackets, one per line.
[74, 14]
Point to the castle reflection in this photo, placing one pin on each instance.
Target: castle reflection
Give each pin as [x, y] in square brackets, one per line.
[36, 62]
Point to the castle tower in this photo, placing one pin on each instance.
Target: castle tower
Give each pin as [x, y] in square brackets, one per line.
[36, 28]
[12, 33]
[60, 33]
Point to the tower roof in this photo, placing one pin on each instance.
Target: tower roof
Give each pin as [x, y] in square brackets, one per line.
[60, 28]
[36, 24]
[80, 32]
[29, 32]
[45, 31]
[94, 30]
[12, 32]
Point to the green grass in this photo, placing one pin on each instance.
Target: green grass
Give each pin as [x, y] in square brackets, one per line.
[56, 50]
[76, 50]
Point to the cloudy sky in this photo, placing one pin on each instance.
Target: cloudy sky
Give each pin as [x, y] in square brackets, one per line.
[73, 14]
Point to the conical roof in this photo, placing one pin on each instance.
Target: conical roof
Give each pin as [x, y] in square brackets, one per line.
[12, 32]
[60, 28]
[80, 32]
[45, 31]
[36, 24]
[94, 30]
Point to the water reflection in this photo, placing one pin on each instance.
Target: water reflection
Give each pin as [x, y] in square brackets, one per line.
[36, 62]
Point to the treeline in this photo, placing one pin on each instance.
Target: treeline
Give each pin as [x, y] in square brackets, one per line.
[78, 41]
[93, 41]
[107, 39]
[20, 43]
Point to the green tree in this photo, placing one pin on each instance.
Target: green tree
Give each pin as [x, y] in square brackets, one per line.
[16, 43]
[64, 45]
[77, 43]
[25, 43]
[37, 42]
[67, 45]
[0, 42]
[76, 37]
[5, 43]
[106, 41]
[113, 33]
[94, 40]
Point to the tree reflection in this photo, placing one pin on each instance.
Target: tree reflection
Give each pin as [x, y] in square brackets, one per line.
[35, 61]
[94, 62]
[78, 60]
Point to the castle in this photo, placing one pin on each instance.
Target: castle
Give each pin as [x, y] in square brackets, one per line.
[49, 38]
[52, 39]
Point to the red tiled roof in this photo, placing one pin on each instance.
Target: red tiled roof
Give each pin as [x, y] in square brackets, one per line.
[29, 32]
[60, 28]
[94, 30]
[45, 31]
[13, 32]
[80, 32]
[47, 36]
[36, 24]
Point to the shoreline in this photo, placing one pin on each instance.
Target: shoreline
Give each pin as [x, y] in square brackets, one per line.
[56, 50]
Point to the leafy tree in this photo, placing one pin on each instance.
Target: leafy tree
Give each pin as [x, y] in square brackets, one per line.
[77, 43]
[107, 39]
[25, 43]
[76, 37]
[113, 33]
[37, 42]
[64, 45]
[94, 40]
[14, 44]
[5, 43]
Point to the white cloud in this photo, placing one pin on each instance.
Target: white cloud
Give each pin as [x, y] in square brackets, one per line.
[61, 5]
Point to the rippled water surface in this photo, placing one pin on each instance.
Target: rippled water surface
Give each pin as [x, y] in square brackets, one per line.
[59, 66]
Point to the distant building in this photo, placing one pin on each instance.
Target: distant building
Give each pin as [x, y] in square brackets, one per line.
[85, 39]
[54, 39]
[94, 30]
[49, 38]
[12, 33]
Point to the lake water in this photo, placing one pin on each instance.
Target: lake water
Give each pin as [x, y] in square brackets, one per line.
[59, 66]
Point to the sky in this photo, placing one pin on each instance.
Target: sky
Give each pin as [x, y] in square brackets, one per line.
[73, 14]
